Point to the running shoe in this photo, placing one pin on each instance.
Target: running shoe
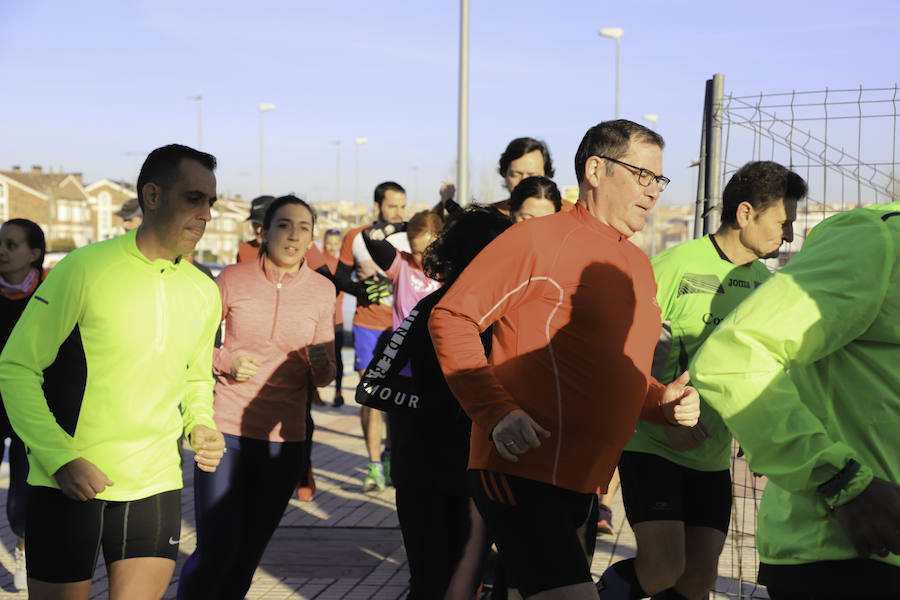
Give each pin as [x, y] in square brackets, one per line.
[386, 462]
[374, 478]
[604, 523]
[20, 578]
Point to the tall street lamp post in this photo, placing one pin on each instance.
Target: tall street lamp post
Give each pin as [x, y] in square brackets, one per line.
[615, 33]
[462, 134]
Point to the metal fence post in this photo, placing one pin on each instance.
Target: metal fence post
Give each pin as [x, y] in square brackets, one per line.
[714, 157]
[700, 206]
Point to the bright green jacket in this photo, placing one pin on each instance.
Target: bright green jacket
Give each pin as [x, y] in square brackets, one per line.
[696, 289]
[108, 350]
[805, 374]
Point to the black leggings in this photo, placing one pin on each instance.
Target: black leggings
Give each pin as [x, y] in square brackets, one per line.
[445, 540]
[338, 361]
[238, 508]
[306, 469]
[545, 534]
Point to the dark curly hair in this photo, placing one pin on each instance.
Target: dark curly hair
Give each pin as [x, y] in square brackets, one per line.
[464, 235]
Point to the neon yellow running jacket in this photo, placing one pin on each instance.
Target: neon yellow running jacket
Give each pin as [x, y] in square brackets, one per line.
[831, 318]
[107, 350]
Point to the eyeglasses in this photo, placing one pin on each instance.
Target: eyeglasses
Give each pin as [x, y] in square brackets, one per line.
[333, 232]
[645, 176]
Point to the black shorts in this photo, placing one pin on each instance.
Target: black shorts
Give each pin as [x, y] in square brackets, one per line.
[65, 536]
[656, 489]
[861, 579]
[545, 534]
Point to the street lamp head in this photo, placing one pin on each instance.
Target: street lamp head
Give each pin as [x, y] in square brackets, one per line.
[197, 98]
[361, 140]
[265, 106]
[651, 117]
[612, 32]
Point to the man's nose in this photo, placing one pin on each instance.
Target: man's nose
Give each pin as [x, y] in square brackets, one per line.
[788, 234]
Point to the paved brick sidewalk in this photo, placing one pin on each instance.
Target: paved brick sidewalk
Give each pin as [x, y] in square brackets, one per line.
[347, 545]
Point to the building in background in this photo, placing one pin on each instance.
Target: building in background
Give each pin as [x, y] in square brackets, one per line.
[73, 214]
[107, 197]
[58, 202]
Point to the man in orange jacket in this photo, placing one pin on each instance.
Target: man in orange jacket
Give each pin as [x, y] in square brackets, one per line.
[573, 307]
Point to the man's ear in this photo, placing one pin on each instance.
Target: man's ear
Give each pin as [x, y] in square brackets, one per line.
[152, 195]
[594, 170]
[744, 214]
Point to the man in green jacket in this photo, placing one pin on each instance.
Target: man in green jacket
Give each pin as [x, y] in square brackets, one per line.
[805, 375]
[110, 364]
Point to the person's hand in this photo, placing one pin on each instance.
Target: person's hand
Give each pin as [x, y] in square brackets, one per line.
[448, 191]
[244, 367]
[686, 438]
[317, 355]
[208, 446]
[680, 402]
[378, 289]
[872, 519]
[80, 479]
[517, 433]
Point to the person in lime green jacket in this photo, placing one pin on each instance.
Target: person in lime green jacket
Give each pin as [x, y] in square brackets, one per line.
[805, 375]
[676, 484]
[109, 365]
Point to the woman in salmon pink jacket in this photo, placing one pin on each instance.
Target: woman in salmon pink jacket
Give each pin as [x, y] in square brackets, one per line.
[279, 341]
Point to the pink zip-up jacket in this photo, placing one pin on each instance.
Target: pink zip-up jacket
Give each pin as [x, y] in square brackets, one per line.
[273, 322]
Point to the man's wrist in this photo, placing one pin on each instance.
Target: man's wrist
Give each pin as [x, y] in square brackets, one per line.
[845, 485]
[198, 420]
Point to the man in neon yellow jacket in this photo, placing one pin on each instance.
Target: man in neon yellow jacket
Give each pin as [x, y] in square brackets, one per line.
[109, 365]
[805, 374]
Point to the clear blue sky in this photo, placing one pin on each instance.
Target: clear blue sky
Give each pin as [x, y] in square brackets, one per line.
[86, 85]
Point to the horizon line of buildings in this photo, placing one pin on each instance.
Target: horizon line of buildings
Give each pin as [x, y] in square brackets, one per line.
[74, 214]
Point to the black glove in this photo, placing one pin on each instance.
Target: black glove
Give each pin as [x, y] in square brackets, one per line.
[374, 290]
